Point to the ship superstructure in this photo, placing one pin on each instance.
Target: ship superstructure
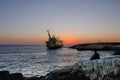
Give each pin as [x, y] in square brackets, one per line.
[53, 42]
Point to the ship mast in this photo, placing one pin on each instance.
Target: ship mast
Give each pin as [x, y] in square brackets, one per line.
[49, 34]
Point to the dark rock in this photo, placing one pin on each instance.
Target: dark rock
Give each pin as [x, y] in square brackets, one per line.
[108, 46]
[4, 75]
[95, 56]
[117, 52]
[16, 76]
[112, 76]
[33, 78]
[66, 74]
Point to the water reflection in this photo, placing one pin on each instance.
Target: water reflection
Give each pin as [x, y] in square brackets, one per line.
[65, 56]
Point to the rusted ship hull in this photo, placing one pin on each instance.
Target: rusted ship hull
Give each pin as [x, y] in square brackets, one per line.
[53, 42]
[54, 45]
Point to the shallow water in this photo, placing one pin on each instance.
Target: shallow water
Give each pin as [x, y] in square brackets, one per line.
[38, 60]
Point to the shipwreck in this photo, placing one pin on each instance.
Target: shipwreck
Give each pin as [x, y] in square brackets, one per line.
[53, 42]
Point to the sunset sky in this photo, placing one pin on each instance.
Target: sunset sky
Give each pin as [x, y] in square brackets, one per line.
[74, 21]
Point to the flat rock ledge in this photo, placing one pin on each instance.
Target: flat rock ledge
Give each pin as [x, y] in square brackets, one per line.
[100, 69]
[108, 46]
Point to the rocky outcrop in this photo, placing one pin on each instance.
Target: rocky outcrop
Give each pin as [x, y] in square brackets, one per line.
[5, 75]
[66, 73]
[101, 69]
[98, 46]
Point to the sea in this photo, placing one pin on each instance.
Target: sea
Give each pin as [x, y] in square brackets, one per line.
[37, 60]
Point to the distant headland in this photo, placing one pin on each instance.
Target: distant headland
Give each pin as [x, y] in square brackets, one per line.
[98, 46]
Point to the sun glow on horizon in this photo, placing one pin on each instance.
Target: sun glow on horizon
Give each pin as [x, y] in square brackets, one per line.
[66, 38]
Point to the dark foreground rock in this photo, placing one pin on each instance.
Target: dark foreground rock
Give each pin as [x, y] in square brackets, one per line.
[101, 69]
[5, 75]
[66, 74]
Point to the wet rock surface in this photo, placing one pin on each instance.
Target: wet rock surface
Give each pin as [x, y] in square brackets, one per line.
[5, 75]
[100, 69]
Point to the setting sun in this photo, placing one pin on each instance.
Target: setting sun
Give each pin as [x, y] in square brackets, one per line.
[69, 39]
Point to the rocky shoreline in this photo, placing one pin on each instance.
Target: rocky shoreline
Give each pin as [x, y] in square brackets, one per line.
[100, 69]
[98, 46]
